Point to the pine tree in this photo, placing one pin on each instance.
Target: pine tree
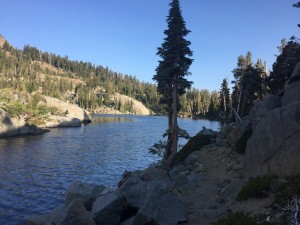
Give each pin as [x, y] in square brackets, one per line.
[224, 100]
[170, 74]
[283, 67]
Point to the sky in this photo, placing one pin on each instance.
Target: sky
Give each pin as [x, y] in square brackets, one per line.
[124, 34]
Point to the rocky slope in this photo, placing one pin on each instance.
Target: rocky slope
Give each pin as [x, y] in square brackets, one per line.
[73, 114]
[16, 126]
[137, 107]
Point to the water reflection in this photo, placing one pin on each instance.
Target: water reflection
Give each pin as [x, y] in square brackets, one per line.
[36, 170]
[110, 119]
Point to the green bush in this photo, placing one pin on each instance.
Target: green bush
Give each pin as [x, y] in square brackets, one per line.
[257, 187]
[239, 218]
[287, 190]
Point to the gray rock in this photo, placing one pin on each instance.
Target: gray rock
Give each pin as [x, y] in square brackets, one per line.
[195, 178]
[295, 75]
[167, 210]
[291, 93]
[177, 170]
[239, 130]
[86, 193]
[181, 180]
[291, 90]
[76, 214]
[153, 173]
[260, 109]
[274, 146]
[57, 215]
[107, 209]
[192, 158]
[38, 220]
[136, 192]
[129, 221]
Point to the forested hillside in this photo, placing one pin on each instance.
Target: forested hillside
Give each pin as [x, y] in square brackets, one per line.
[90, 86]
[31, 70]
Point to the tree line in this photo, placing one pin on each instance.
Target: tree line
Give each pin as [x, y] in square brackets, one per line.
[31, 70]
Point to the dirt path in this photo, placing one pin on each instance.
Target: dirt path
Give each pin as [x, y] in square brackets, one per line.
[221, 169]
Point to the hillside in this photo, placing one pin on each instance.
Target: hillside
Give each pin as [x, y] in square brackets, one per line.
[90, 86]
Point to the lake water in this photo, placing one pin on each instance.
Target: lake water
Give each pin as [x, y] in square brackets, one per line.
[36, 170]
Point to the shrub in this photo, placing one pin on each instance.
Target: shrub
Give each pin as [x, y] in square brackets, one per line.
[257, 188]
[239, 218]
[287, 190]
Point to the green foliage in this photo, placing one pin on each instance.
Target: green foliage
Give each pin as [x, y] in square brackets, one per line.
[287, 190]
[29, 107]
[194, 144]
[160, 147]
[284, 66]
[239, 218]
[257, 188]
[249, 84]
[20, 73]
[224, 100]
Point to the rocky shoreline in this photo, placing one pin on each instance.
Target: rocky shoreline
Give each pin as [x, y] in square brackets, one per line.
[210, 171]
[157, 196]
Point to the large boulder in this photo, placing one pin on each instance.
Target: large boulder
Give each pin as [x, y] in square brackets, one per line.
[274, 146]
[240, 134]
[136, 191]
[73, 214]
[84, 192]
[71, 110]
[76, 214]
[108, 209]
[291, 91]
[10, 126]
[238, 131]
[165, 210]
[16, 126]
[260, 109]
[62, 121]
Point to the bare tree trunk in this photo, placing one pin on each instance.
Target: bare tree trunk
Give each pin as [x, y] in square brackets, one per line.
[168, 147]
[174, 129]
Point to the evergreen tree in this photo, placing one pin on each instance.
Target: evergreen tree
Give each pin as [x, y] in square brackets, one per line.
[171, 72]
[248, 85]
[283, 67]
[224, 100]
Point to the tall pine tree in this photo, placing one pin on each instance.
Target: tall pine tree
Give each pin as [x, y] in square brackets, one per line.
[170, 74]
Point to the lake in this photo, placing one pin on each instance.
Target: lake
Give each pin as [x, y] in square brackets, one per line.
[36, 170]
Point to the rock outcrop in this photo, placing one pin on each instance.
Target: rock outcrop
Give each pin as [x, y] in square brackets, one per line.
[137, 106]
[16, 126]
[291, 91]
[74, 115]
[260, 109]
[274, 146]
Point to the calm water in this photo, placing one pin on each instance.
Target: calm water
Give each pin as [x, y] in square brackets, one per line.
[35, 171]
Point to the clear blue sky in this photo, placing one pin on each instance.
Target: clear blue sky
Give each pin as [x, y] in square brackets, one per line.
[124, 34]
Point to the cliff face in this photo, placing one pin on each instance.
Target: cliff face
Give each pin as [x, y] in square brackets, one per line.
[274, 146]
